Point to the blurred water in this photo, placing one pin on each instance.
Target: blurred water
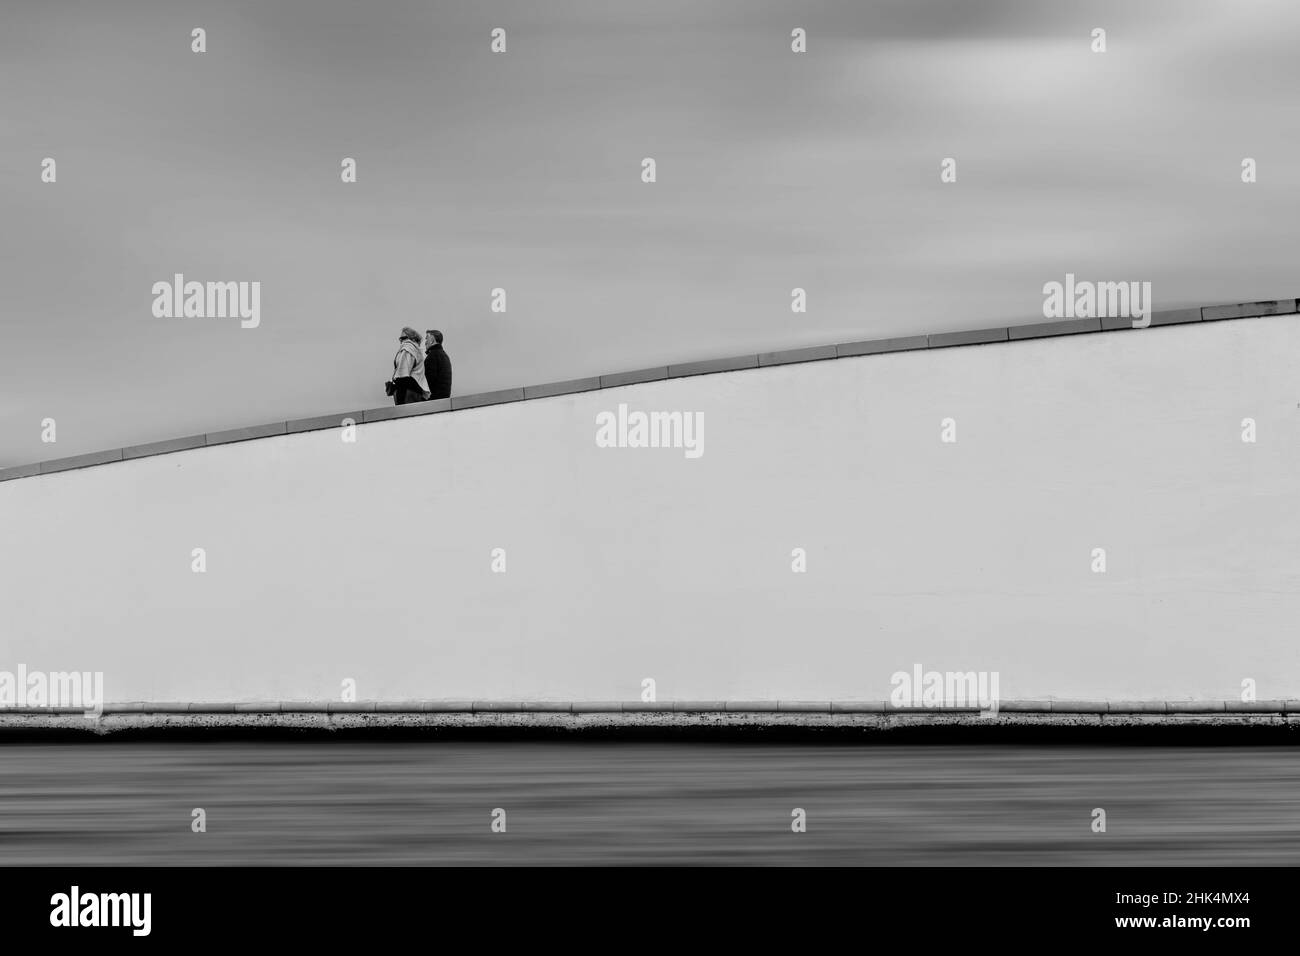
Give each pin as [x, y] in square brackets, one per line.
[645, 803]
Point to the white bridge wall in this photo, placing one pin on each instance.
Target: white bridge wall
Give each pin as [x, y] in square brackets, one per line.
[372, 561]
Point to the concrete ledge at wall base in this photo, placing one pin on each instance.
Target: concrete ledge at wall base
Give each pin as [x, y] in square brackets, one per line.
[597, 707]
[690, 706]
[1044, 330]
[747, 706]
[410, 410]
[1195, 706]
[658, 373]
[1079, 706]
[1136, 707]
[974, 337]
[562, 388]
[1248, 310]
[710, 366]
[1041, 706]
[817, 353]
[1026, 706]
[547, 707]
[859, 707]
[1115, 323]
[910, 343]
[447, 706]
[699, 707]
[634, 378]
[498, 706]
[20, 471]
[163, 447]
[480, 399]
[606, 719]
[246, 434]
[1261, 706]
[81, 461]
[323, 422]
[397, 706]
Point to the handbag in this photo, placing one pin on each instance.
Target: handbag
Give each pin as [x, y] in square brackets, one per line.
[390, 386]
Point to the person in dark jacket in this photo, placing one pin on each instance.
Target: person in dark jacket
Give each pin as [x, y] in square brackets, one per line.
[437, 365]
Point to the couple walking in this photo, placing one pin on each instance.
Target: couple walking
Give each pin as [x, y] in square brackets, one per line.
[419, 375]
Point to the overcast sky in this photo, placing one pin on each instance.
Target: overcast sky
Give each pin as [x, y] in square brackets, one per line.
[522, 171]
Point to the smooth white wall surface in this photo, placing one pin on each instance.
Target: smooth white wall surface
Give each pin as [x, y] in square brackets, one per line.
[372, 560]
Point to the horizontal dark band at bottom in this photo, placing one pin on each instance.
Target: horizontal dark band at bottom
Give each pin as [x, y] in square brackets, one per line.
[601, 719]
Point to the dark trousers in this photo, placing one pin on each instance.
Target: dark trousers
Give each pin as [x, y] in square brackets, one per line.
[407, 391]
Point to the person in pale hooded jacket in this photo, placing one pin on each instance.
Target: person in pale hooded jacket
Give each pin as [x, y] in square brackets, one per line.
[408, 383]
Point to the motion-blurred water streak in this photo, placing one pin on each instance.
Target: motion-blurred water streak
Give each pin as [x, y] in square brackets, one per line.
[645, 803]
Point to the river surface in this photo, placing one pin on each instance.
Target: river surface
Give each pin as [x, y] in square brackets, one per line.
[421, 803]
